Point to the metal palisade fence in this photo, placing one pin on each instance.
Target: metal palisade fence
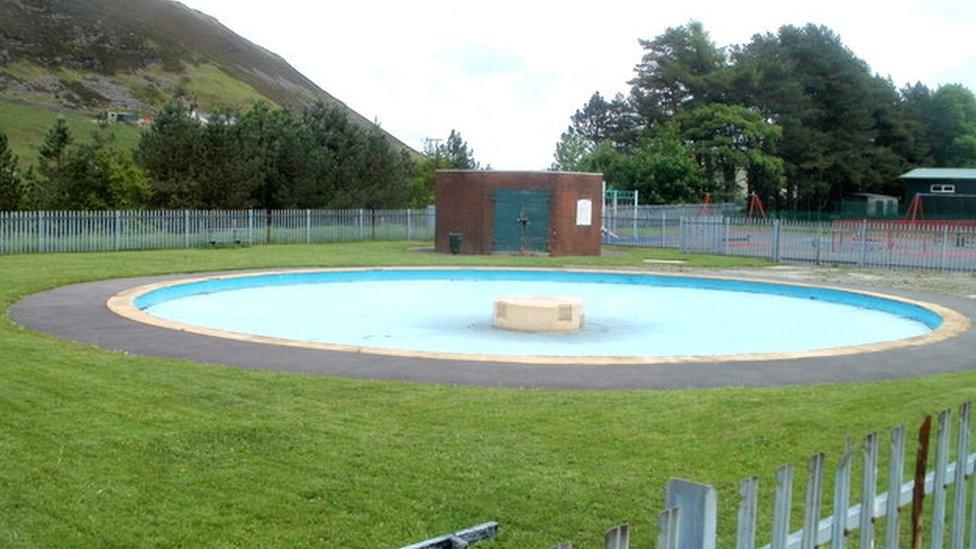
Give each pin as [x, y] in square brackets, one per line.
[933, 245]
[91, 231]
[936, 508]
[930, 245]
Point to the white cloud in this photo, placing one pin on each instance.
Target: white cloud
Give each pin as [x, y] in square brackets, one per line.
[509, 74]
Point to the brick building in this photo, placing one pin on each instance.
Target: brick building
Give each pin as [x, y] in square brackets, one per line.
[559, 213]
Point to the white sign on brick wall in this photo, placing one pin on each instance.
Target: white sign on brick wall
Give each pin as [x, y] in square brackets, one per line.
[584, 212]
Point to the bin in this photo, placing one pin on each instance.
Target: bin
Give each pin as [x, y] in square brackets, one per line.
[455, 240]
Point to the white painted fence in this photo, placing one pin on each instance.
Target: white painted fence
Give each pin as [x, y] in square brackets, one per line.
[895, 518]
[91, 231]
[934, 509]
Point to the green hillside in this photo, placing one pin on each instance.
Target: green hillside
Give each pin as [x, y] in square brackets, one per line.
[143, 90]
[85, 57]
[25, 126]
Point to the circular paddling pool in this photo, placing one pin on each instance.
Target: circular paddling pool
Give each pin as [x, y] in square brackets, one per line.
[447, 313]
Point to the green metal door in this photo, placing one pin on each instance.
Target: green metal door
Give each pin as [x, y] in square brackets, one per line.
[520, 221]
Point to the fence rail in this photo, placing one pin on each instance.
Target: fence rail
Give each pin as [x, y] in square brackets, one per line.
[93, 231]
[926, 245]
[846, 523]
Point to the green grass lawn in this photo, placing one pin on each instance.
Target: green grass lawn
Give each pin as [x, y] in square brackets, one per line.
[101, 448]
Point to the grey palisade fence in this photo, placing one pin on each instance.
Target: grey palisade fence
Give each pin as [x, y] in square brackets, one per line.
[934, 508]
[93, 231]
[925, 245]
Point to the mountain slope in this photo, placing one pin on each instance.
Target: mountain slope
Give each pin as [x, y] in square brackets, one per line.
[93, 55]
[25, 126]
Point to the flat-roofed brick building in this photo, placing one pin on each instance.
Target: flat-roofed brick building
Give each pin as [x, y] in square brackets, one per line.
[559, 213]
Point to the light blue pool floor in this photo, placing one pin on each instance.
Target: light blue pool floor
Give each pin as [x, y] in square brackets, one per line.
[454, 316]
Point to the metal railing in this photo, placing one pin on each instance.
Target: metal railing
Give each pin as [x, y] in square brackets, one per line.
[931, 245]
[91, 231]
[948, 246]
[627, 221]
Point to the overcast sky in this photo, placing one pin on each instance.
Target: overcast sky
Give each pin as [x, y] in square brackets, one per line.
[509, 74]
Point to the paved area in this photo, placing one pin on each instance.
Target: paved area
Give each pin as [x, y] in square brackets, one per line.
[78, 312]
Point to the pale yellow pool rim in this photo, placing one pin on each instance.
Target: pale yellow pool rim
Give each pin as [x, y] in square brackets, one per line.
[953, 323]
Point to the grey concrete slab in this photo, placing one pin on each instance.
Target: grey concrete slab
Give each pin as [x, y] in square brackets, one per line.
[79, 313]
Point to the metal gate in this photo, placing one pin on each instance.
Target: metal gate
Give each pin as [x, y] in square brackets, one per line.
[520, 220]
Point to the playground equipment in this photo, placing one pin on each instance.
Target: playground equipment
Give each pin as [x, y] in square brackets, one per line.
[756, 209]
[914, 211]
[706, 206]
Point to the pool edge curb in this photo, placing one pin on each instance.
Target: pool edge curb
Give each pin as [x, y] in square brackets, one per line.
[953, 323]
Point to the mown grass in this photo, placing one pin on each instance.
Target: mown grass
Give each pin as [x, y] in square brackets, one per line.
[101, 448]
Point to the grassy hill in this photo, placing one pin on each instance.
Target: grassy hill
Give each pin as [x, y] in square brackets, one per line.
[26, 124]
[84, 57]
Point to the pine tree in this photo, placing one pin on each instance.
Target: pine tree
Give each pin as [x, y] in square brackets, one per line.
[458, 154]
[169, 153]
[54, 149]
[681, 69]
[50, 182]
[11, 191]
[600, 120]
[570, 152]
[228, 173]
[827, 101]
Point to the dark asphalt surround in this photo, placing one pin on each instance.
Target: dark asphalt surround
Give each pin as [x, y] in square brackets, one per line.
[79, 313]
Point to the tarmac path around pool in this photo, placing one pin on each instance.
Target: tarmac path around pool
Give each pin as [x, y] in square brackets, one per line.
[79, 313]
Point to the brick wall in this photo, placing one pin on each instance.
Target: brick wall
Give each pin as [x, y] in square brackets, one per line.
[464, 205]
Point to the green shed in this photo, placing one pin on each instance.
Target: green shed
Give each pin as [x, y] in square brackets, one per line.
[946, 193]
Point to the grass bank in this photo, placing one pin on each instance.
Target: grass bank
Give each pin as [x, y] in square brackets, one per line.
[26, 126]
[101, 448]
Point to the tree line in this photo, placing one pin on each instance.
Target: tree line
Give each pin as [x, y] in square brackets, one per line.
[794, 116]
[266, 157]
